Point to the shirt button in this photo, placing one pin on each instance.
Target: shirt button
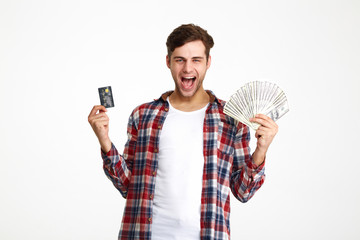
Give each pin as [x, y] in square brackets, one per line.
[149, 219]
[159, 126]
[108, 161]
[166, 109]
[154, 173]
[156, 150]
[151, 196]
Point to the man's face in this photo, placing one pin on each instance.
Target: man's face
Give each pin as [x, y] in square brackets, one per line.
[188, 66]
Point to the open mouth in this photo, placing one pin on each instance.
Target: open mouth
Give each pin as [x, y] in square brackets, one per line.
[188, 82]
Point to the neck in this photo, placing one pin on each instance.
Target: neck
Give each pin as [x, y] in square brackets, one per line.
[188, 104]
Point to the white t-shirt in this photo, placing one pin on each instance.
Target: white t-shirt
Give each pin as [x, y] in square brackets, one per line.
[178, 187]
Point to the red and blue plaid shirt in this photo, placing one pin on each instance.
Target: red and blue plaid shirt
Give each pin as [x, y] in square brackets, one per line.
[228, 165]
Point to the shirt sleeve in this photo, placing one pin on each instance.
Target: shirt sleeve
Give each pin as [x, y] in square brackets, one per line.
[118, 167]
[246, 176]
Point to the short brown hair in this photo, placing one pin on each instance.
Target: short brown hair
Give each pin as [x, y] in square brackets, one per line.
[188, 33]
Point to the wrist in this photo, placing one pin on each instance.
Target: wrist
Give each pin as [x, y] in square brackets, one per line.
[105, 145]
[259, 156]
[260, 151]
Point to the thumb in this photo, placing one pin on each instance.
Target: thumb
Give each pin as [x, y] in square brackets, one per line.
[257, 135]
[103, 110]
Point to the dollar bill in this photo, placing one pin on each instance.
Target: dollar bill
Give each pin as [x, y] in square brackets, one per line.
[254, 98]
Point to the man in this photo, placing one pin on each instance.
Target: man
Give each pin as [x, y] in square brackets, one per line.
[183, 154]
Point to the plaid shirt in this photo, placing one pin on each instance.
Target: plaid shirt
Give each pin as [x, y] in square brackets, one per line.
[228, 165]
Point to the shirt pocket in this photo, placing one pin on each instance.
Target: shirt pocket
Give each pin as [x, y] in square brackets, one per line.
[225, 137]
[225, 153]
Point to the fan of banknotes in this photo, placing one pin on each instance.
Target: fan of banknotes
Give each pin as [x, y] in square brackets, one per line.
[257, 97]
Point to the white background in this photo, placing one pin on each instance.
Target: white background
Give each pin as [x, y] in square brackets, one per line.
[55, 54]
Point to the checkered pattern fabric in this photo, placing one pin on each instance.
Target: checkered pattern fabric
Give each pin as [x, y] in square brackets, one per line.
[228, 166]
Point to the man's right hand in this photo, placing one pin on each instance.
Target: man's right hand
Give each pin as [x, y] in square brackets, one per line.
[99, 122]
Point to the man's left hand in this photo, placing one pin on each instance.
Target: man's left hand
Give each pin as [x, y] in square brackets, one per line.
[265, 134]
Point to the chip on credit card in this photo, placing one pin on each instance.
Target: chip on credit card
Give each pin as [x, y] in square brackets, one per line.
[106, 97]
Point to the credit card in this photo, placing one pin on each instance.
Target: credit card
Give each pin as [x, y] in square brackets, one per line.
[106, 97]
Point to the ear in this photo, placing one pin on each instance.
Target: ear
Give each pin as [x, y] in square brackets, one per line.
[208, 62]
[167, 61]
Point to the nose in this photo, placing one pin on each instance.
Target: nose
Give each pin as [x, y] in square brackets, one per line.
[187, 68]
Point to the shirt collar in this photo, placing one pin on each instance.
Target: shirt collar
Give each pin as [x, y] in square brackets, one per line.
[212, 96]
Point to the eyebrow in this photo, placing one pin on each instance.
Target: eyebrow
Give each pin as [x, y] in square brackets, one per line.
[179, 57]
